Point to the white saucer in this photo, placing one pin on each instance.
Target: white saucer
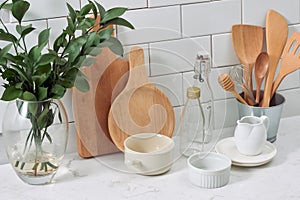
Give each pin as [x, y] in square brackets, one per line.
[227, 146]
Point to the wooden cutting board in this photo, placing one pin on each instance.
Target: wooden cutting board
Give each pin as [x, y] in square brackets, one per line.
[91, 108]
[140, 107]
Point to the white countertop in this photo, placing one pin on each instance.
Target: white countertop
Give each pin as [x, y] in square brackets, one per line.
[105, 177]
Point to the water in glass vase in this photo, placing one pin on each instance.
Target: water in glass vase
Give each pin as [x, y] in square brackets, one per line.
[34, 166]
[35, 136]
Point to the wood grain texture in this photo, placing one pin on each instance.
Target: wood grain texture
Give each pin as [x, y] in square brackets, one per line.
[290, 61]
[261, 69]
[111, 83]
[140, 107]
[92, 139]
[276, 36]
[247, 42]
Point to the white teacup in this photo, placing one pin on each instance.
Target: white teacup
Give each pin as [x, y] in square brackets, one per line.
[251, 134]
[149, 153]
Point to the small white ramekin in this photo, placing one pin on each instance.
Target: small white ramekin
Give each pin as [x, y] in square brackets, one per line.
[209, 169]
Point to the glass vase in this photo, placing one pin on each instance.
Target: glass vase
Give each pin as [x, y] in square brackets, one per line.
[35, 135]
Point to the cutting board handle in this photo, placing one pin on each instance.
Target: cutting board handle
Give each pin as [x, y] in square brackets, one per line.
[137, 74]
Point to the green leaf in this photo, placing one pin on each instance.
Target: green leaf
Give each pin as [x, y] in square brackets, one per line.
[9, 73]
[86, 9]
[7, 6]
[74, 48]
[90, 40]
[113, 13]
[40, 79]
[93, 51]
[28, 96]
[19, 9]
[69, 77]
[106, 33]
[88, 62]
[12, 58]
[5, 50]
[101, 9]
[78, 61]
[18, 85]
[72, 12]
[116, 46]
[3, 4]
[43, 118]
[44, 69]
[11, 93]
[121, 22]
[60, 42]
[27, 31]
[34, 53]
[46, 59]
[94, 9]
[71, 28]
[21, 72]
[7, 37]
[24, 30]
[58, 91]
[81, 82]
[42, 93]
[43, 37]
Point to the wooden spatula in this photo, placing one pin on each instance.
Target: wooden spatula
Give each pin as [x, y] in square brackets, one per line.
[290, 60]
[276, 35]
[140, 107]
[247, 42]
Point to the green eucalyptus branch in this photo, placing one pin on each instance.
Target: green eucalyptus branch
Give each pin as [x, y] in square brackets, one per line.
[48, 75]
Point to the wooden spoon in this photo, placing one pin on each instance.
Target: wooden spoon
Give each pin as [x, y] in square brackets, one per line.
[140, 107]
[276, 35]
[290, 59]
[247, 42]
[227, 83]
[261, 68]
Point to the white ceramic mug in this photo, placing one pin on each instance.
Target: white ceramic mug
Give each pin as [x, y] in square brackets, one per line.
[251, 134]
[149, 153]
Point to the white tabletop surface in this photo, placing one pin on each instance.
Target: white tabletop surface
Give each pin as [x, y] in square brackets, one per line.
[105, 177]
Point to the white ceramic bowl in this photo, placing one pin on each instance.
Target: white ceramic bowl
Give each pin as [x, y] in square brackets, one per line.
[149, 153]
[209, 169]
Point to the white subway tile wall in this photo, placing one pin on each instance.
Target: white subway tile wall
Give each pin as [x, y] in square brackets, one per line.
[171, 32]
[151, 25]
[131, 4]
[222, 43]
[254, 11]
[176, 55]
[49, 8]
[155, 3]
[209, 18]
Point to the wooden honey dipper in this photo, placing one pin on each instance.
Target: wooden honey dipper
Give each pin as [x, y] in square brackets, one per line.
[227, 84]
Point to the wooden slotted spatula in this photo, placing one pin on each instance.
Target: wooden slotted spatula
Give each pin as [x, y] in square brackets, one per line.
[290, 60]
[276, 35]
[247, 42]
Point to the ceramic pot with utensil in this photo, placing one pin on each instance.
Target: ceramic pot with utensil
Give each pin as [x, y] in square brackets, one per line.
[273, 113]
